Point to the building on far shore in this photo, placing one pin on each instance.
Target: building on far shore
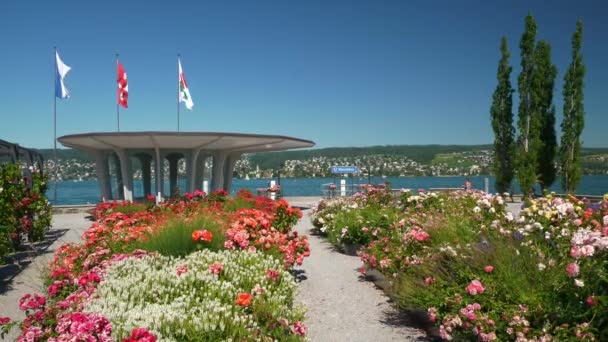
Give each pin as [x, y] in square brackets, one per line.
[153, 149]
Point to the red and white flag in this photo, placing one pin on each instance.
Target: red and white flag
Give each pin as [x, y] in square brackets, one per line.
[123, 86]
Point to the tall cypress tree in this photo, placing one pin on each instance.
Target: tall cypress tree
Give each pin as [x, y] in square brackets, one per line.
[502, 122]
[574, 115]
[528, 123]
[543, 86]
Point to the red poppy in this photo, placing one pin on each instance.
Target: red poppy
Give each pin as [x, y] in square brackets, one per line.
[244, 299]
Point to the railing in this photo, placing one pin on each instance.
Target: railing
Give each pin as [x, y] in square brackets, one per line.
[332, 190]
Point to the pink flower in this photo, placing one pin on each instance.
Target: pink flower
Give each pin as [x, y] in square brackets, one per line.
[590, 301]
[475, 287]
[4, 320]
[181, 269]
[575, 252]
[272, 274]
[577, 222]
[429, 280]
[422, 236]
[572, 269]
[216, 268]
[299, 328]
[432, 313]
[489, 269]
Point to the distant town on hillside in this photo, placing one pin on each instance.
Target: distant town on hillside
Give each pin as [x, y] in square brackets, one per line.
[390, 161]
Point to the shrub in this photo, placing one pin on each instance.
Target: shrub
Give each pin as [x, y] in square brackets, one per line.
[482, 274]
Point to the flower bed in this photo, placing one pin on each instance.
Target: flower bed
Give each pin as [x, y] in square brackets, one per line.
[24, 209]
[250, 291]
[480, 273]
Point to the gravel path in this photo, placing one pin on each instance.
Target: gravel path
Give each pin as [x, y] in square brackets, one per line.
[340, 305]
[18, 281]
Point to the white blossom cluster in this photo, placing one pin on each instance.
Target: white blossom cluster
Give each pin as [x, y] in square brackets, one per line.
[177, 306]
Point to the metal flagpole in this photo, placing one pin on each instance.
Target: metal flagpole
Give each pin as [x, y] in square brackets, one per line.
[117, 107]
[179, 80]
[55, 126]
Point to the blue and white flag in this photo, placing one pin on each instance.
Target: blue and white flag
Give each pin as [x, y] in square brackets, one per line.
[60, 71]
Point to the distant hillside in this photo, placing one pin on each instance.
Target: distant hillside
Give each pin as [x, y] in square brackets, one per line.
[271, 160]
[420, 153]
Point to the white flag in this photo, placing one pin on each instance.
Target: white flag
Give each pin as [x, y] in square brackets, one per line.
[60, 71]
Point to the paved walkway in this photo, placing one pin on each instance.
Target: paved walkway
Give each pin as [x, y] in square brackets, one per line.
[18, 281]
[342, 307]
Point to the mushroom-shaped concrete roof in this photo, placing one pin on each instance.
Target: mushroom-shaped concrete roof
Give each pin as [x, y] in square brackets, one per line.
[211, 141]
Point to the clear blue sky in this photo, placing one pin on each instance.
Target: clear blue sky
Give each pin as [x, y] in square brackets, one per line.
[341, 73]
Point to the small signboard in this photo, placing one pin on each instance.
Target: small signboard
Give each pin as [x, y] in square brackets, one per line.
[344, 169]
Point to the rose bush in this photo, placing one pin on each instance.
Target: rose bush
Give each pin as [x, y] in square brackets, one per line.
[25, 212]
[480, 273]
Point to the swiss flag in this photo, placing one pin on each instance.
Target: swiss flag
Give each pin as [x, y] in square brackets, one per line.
[123, 86]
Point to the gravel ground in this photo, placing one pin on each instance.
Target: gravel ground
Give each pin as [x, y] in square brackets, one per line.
[28, 279]
[340, 305]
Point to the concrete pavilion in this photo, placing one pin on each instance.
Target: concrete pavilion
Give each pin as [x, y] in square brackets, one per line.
[153, 148]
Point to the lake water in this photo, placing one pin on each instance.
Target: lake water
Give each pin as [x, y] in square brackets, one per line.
[88, 191]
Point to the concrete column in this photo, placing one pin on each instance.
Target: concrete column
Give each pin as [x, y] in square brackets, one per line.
[217, 180]
[126, 173]
[198, 171]
[189, 171]
[119, 183]
[103, 175]
[173, 159]
[146, 175]
[229, 169]
[159, 174]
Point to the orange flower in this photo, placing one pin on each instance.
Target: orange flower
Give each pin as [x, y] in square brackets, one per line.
[196, 235]
[202, 235]
[243, 299]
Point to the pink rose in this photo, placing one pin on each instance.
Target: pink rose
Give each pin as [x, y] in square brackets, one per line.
[475, 287]
[572, 269]
[489, 269]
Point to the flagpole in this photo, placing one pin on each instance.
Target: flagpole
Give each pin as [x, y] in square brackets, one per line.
[178, 83]
[55, 126]
[117, 107]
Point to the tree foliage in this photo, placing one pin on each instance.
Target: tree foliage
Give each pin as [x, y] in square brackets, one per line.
[574, 115]
[502, 122]
[543, 86]
[528, 122]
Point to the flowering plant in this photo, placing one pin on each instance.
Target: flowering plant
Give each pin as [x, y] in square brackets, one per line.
[480, 272]
[238, 303]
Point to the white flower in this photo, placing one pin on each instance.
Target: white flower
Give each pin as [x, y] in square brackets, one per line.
[579, 283]
[476, 209]
[541, 266]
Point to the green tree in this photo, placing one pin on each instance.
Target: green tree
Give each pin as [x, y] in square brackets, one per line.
[543, 86]
[574, 115]
[528, 123]
[502, 122]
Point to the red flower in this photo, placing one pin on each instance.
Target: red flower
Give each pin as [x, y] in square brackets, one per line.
[151, 197]
[244, 299]
[140, 335]
[4, 320]
[202, 235]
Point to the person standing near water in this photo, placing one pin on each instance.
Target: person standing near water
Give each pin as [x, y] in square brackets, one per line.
[467, 184]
